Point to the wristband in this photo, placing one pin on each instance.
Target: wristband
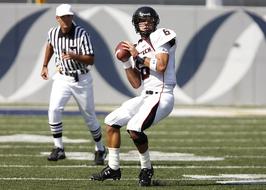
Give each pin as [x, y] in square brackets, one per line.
[153, 64]
[44, 65]
[127, 64]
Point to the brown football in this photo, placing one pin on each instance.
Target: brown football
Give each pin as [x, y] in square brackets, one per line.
[120, 53]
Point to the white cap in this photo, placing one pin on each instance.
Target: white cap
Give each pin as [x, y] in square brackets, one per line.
[64, 9]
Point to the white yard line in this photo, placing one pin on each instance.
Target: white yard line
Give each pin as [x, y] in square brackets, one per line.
[79, 179]
[41, 179]
[246, 156]
[227, 156]
[232, 179]
[133, 155]
[40, 146]
[136, 166]
[209, 140]
[227, 176]
[184, 132]
[20, 155]
[173, 133]
[225, 182]
[30, 138]
[217, 112]
[243, 182]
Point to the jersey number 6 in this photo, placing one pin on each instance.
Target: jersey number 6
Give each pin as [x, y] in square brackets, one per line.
[166, 32]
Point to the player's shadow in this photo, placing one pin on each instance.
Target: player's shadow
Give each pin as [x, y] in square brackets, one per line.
[162, 183]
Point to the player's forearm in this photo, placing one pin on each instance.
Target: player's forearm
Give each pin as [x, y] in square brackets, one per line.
[46, 61]
[133, 77]
[159, 63]
[48, 54]
[85, 59]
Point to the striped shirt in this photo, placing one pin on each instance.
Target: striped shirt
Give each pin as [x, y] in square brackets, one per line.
[76, 41]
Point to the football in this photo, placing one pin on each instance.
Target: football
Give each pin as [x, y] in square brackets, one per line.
[120, 53]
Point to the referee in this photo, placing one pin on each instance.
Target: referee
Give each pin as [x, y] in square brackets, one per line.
[73, 52]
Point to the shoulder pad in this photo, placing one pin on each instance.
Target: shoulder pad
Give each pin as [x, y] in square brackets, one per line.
[161, 36]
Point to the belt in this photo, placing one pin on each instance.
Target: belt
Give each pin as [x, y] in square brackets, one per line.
[150, 92]
[74, 74]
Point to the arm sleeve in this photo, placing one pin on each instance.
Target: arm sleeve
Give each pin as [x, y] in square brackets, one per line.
[49, 36]
[87, 48]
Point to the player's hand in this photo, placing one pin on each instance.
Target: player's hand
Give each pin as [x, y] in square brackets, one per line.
[68, 55]
[44, 73]
[131, 48]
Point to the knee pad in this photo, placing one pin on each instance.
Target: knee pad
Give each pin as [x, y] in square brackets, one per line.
[139, 138]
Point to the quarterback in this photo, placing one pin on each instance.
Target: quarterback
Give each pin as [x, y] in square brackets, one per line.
[152, 67]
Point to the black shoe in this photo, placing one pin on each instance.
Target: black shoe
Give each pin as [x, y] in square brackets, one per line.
[107, 173]
[100, 156]
[145, 177]
[56, 154]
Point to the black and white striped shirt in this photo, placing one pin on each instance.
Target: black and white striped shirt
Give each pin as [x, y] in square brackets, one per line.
[77, 41]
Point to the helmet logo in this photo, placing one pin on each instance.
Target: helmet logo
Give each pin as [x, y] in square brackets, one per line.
[144, 14]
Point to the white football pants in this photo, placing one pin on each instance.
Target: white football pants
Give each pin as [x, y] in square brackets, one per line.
[141, 112]
[63, 88]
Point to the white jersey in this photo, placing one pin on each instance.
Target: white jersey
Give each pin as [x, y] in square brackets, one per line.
[156, 100]
[159, 39]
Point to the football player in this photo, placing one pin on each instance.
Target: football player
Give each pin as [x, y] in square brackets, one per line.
[151, 66]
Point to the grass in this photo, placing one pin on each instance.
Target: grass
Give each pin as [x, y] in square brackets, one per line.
[239, 142]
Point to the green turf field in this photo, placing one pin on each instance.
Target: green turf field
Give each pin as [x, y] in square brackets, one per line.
[188, 153]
